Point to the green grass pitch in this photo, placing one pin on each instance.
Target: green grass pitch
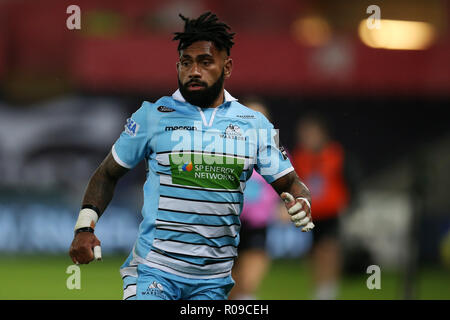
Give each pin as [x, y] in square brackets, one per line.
[44, 277]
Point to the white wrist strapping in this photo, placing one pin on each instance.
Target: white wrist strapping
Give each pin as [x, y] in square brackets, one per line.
[86, 218]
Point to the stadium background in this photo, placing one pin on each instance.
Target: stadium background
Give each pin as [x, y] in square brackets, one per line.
[64, 96]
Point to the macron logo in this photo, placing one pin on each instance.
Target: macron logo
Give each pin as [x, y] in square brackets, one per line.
[173, 128]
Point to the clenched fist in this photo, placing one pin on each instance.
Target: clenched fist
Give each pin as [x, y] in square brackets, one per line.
[85, 247]
[300, 211]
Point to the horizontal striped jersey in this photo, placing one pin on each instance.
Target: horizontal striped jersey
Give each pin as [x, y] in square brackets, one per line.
[198, 162]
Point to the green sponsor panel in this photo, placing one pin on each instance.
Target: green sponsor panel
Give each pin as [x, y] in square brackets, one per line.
[206, 171]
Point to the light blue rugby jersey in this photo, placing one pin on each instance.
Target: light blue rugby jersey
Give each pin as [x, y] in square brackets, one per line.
[198, 162]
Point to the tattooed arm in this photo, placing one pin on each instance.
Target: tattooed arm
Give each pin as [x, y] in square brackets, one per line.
[291, 183]
[100, 189]
[98, 194]
[297, 199]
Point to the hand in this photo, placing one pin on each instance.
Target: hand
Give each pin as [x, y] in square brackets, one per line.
[300, 211]
[85, 247]
[283, 215]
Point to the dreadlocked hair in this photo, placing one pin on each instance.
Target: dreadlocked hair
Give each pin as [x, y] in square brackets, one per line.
[205, 28]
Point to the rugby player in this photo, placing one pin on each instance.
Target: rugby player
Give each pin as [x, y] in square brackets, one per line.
[200, 146]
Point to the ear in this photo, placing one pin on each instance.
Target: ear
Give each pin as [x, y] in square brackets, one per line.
[178, 66]
[228, 67]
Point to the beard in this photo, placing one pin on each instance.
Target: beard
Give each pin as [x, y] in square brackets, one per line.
[205, 97]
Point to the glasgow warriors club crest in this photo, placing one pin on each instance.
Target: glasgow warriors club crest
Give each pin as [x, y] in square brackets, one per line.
[233, 131]
[155, 289]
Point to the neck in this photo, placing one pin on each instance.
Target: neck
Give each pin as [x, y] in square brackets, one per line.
[219, 100]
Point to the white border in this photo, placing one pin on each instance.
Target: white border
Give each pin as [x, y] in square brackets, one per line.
[116, 157]
[282, 173]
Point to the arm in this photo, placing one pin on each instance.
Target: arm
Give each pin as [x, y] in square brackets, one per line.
[291, 183]
[294, 193]
[100, 189]
[98, 194]
[297, 199]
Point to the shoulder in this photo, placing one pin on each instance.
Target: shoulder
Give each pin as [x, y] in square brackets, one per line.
[162, 106]
[241, 111]
[244, 113]
[148, 115]
[144, 108]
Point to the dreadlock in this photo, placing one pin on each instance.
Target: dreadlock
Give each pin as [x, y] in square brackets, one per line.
[205, 28]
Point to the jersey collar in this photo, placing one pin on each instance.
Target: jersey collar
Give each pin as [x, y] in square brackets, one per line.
[179, 97]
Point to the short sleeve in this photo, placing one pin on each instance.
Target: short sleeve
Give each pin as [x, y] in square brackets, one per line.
[272, 161]
[132, 145]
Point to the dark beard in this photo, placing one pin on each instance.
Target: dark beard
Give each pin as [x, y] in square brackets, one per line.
[205, 97]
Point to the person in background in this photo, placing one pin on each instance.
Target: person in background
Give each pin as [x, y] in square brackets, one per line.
[319, 162]
[260, 205]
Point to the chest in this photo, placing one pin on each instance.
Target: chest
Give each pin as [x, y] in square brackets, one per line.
[220, 136]
[217, 156]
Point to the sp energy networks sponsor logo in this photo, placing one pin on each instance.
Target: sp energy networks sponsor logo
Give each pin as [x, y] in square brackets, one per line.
[206, 171]
[186, 167]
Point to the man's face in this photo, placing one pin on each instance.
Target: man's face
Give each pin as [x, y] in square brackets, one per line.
[201, 72]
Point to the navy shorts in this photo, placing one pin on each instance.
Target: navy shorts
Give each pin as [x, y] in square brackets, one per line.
[252, 238]
[326, 229]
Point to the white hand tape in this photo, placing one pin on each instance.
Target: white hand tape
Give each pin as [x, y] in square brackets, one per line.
[302, 222]
[305, 221]
[97, 253]
[295, 208]
[298, 216]
[308, 227]
[306, 200]
[289, 197]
